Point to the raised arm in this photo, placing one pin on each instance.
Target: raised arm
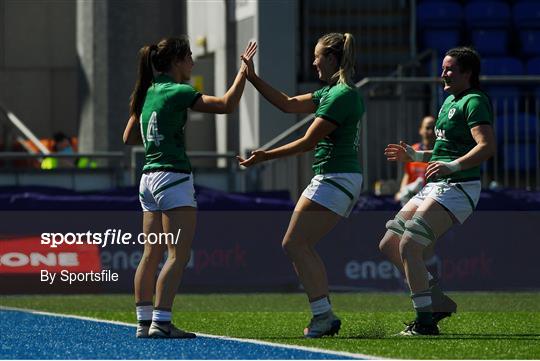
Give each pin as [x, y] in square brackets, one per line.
[228, 102]
[132, 134]
[319, 129]
[297, 104]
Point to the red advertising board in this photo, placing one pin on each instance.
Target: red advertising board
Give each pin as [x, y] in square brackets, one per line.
[26, 255]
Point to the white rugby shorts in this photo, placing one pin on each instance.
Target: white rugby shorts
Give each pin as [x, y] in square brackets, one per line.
[161, 191]
[338, 192]
[460, 199]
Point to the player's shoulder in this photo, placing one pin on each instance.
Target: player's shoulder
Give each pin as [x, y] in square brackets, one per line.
[475, 96]
[344, 92]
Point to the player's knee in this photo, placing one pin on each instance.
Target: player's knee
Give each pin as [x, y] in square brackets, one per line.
[151, 257]
[389, 243]
[292, 246]
[417, 236]
[395, 226]
[179, 259]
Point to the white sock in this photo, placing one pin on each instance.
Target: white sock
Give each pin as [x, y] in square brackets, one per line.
[421, 300]
[161, 316]
[320, 306]
[144, 313]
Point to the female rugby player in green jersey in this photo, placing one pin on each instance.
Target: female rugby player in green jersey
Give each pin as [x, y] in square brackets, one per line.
[158, 114]
[464, 141]
[334, 189]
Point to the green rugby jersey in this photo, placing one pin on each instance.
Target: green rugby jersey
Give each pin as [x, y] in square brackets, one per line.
[457, 116]
[162, 121]
[338, 152]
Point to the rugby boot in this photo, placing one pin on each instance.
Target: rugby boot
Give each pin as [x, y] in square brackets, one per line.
[326, 324]
[168, 331]
[443, 306]
[415, 328]
[142, 331]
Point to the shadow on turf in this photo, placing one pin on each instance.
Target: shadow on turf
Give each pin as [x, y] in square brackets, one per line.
[446, 336]
[488, 336]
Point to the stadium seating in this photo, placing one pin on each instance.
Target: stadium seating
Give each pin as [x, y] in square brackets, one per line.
[436, 14]
[527, 14]
[487, 14]
[504, 97]
[490, 42]
[520, 128]
[441, 39]
[520, 156]
[530, 42]
[502, 66]
[439, 30]
[533, 68]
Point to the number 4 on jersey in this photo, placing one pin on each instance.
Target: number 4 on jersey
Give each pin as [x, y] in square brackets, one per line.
[152, 132]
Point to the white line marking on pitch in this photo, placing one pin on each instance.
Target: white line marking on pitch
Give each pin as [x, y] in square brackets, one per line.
[245, 340]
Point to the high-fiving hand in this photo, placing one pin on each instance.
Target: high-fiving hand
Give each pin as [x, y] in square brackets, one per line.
[247, 60]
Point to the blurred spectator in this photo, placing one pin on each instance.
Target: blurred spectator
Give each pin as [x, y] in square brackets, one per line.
[62, 145]
[414, 178]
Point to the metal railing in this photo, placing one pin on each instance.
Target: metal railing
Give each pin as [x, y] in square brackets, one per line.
[394, 108]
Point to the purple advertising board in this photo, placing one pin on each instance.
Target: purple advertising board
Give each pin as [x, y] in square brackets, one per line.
[241, 251]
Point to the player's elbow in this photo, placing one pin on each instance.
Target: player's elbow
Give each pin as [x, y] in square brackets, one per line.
[308, 144]
[287, 106]
[228, 106]
[490, 149]
[228, 109]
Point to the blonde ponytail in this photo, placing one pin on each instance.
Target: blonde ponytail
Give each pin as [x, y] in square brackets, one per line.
[346, 68]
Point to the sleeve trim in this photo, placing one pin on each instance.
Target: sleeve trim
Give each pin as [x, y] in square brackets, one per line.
[197, 96]
[326, 117]
[482, 122]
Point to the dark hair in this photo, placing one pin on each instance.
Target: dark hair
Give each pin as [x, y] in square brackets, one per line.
[59, 137]
[342, 46]
[467, 59]
[158, 57]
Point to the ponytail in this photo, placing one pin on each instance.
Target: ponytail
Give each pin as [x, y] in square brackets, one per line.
[343, 48]
[145, 78]
[346, 68]
[159, 57]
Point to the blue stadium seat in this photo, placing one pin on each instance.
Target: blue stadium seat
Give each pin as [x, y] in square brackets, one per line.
[447, 14]
[504, 98]
[487, 14]
[527, 14]
[502, 66]
[490, 42]
[530, 42]
[440, 39]
[522, 151]
[533, 66]
[524, 127]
